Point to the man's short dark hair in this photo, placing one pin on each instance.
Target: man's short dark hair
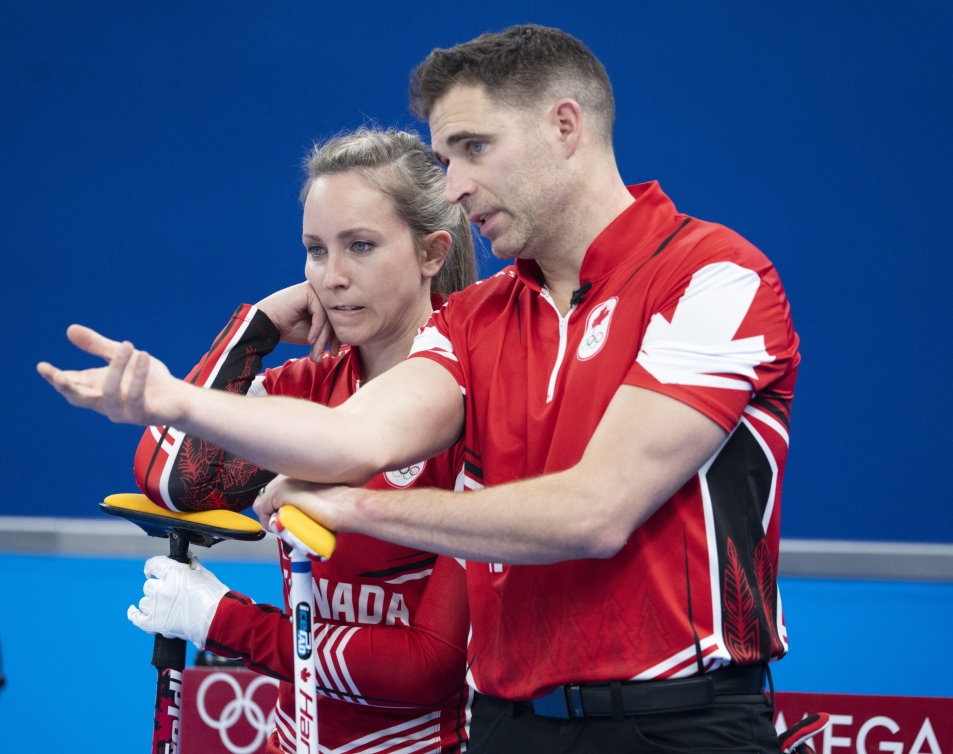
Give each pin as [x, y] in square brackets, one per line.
[519, 66]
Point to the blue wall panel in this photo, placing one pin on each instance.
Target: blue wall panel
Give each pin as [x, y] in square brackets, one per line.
[150, 156]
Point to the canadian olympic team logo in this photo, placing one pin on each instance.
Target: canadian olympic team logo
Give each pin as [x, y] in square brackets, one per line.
[597, 329]
[243, 705]
[404, 477]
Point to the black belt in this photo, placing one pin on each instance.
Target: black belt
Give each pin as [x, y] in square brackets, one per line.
[650, 697]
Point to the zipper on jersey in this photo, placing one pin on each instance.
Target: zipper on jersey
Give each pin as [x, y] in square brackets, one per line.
[563, 336]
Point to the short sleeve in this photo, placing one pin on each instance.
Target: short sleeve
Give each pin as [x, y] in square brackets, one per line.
[435, 341]
[720, 336]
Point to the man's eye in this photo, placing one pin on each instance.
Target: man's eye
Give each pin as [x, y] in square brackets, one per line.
[362, 246]
[317, 251]
[477, 147]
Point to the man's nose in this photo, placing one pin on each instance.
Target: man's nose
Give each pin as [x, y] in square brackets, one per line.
[459, 183]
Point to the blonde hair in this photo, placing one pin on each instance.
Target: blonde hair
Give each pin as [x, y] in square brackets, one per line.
[400, 165]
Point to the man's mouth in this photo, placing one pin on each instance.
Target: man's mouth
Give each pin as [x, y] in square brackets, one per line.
[346, 308]
[480, 218]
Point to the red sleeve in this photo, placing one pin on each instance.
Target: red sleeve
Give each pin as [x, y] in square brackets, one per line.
[719, 334]
[185, 473]
[421, 666]
[435, 342]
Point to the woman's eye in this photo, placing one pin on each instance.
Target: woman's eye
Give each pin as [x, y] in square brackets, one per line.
[316, 251]
[362, 246]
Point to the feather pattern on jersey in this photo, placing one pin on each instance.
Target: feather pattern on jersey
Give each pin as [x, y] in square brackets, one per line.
[741, 629]
[239, 383]
[764, 573]
[213, 479]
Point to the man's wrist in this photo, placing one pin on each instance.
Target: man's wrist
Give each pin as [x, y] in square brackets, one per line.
[355, 508]
[183, 406]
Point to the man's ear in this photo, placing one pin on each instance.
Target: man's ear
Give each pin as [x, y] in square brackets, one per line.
[566, 115]
[433, 252]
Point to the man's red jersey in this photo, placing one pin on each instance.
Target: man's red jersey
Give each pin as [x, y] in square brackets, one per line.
[679, 306]
[390, 621]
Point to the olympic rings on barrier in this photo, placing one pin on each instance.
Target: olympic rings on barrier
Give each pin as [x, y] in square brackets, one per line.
[242, 704]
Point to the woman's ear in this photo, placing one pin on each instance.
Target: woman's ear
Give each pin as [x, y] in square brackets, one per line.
[433, 252]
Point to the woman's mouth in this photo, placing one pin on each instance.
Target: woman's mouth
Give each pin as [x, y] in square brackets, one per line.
[347, 309]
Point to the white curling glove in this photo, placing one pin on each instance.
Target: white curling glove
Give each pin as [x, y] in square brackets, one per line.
[180, 600]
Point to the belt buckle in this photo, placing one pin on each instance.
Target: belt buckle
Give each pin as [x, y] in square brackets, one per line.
[553, 704]
[563, 702]
[575, 700]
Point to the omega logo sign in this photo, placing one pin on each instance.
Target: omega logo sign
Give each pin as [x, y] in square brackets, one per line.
[871, 724]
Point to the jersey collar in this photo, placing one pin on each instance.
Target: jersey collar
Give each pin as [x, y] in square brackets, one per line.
[629, 234]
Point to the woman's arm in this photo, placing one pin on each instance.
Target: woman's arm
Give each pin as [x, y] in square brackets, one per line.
[421, 666]
[186, 473]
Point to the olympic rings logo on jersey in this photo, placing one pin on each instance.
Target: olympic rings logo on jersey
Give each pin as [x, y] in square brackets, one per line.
[242, 704]
[594, 339]
[597, 329]
[406, 476]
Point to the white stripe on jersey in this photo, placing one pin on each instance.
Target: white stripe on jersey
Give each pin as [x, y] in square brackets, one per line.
[696, 347]
[761, 416]
[421, 734]
[383, 740]
[467, 717]
[257, 389]
[712, 542]
[782, 629]
[431, 339]
[286, 730]
[320, 636]
[343, 664]
[239, 331]
[411, 576]
[471, 681]
[329, 660]
[167, 469]
[687, 654]
[710, 661]
[766, 518]
[469, 483]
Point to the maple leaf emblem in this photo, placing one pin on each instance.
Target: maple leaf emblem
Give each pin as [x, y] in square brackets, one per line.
[305, 675]
[600, 317]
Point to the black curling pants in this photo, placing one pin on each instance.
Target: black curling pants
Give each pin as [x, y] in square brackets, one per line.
[740, 727]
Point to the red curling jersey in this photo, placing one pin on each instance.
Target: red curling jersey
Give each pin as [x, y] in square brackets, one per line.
[676, 305]
[390, 621]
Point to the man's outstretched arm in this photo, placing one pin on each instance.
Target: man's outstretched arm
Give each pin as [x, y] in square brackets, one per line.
[644, 449]
[410, 413]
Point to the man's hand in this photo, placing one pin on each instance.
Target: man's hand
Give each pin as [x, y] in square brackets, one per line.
[325, 503]
[301, 319]
[134, 388]
[180, 600]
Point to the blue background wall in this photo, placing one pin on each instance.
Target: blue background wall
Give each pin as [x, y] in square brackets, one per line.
[150, 158]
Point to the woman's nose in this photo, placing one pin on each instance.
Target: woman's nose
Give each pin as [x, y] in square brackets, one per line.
[335, 272]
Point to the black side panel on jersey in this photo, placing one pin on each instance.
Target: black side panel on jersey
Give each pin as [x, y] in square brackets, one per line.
[739, 483]
[204, 476]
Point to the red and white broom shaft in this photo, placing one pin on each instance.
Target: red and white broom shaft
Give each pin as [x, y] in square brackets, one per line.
[308, 540]
[302, 606]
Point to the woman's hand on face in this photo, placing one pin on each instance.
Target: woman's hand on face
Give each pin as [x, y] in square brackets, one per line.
[300, 318]
[134, 387]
